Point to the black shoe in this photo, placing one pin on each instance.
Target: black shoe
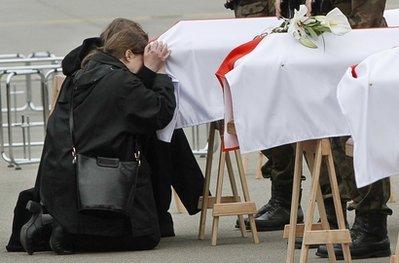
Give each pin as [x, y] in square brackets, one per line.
[276, 213]
[369, 238]
[260, 212]
[276, 218]
[33, 233]
[59, 241]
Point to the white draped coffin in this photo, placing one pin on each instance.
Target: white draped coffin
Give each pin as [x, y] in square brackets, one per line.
[198, 47]
[283, 92]
[369, 98]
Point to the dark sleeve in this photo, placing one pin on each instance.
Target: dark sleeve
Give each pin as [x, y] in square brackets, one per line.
[148, 109]
[147, 76]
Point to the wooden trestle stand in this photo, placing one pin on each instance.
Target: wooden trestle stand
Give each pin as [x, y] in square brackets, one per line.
[313, 234]
[225, 205]
[395, 258]
[392, 199]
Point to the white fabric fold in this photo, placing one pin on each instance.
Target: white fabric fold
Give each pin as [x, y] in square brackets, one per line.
[370, 103]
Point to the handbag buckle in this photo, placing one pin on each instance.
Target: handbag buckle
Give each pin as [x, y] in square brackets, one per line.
[73, 155]
[137, 157]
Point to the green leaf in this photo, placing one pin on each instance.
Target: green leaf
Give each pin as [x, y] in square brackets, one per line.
[307, 42]
[311, 32]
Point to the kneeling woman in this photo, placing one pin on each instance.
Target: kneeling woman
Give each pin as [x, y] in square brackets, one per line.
[96, 140]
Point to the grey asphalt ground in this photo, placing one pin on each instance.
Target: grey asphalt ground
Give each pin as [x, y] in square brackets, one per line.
[58, 26]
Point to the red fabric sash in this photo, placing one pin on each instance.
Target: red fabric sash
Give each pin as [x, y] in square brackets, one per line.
[237, 53]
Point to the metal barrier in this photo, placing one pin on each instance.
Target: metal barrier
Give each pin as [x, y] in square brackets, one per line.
[33, 58]
[196, 135]
[25, 122]
[11, 56]
[13, 65]
[36, 55]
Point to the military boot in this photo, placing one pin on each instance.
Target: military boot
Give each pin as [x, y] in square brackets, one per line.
[278, 211]
[369, 238]
[275, 214]
[260, 212]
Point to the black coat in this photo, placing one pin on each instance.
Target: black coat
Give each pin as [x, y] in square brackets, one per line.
[107, 115]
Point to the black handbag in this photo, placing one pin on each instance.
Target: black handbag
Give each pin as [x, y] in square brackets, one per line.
[103, 184]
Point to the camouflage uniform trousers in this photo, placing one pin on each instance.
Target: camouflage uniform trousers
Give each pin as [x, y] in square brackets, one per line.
[372, 198]
[362, 13]
[254, 8]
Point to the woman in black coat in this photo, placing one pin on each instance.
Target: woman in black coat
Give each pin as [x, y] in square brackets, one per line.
[171, 163]
[112, 109]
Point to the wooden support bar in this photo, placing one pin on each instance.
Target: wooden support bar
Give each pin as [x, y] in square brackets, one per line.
[231, 209]
[234, 189]
[395, 258]
[299, 229]
[205, 193]
[179, 205]
[296, 191]
[261, 160]
[225, 199]
[219, 188]
[319, 237]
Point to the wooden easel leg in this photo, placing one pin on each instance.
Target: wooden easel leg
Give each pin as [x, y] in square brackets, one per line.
[219, 188]
[296, 188]
[393, 198]
[245, 160]
[245, 191]
[208, 170]
[261, 160]
[312, 203]
[337, 200]
[179, 206]
[310, 157]
[395, 258]
[324, 223]
[235, 191]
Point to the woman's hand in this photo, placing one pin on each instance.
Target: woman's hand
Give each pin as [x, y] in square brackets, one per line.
[155, 55]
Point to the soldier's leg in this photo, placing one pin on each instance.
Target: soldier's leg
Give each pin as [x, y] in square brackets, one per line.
[280, 169]
[367, 13]
[254, 8]
[369, 231]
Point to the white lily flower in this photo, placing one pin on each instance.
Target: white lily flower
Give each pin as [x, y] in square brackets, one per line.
[337, 22]
[295, 27]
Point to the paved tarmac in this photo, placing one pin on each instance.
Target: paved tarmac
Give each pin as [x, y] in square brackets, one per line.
[59, 26]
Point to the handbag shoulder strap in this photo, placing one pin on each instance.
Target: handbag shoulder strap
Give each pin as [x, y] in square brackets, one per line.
[103, 71]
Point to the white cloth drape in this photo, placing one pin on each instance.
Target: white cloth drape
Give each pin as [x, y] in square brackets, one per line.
[283, 92]
[370, 102]
[198, 48]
